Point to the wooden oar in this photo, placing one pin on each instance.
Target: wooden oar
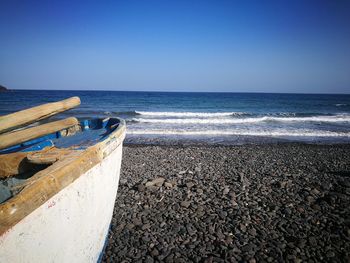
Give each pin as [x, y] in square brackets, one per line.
[24, 117]
[17, 137]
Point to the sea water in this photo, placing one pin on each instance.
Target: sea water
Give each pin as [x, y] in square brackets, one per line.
[218, 118]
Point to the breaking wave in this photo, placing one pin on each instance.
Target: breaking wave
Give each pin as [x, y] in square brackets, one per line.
[191, 114]
[332, 119]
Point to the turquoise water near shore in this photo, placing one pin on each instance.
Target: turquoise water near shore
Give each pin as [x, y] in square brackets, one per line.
[206, 117]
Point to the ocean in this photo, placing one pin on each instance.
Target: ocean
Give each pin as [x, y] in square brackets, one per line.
[210, 118]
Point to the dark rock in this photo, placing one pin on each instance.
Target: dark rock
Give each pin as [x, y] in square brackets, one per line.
[141, 188]
[154, 252]
[287, 211]
[189, 185]
[2, 88]
[190, 229]
[185, 204]
[249, 248]
[122, 181]
[152, 188]
[330, 254]
[137, 221]
[226, 190]
[310, 199]
[168, 185]
[146, 226]
[156, 182]
[130, 226]
[312, 241]
[149, 259]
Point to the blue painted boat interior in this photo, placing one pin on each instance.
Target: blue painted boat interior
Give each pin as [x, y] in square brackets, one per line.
[93, 131]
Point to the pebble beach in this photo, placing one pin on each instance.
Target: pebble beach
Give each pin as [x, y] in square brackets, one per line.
[248, 203]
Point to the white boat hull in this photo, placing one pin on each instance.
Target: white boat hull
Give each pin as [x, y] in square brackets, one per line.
[71, 226]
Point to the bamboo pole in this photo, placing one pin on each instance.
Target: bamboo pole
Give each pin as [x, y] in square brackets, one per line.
[17, 137]
[24, 117]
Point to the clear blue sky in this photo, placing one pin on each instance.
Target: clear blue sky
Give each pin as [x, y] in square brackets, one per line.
[234, 46]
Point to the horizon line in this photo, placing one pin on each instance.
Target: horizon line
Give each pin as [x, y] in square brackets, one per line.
[154, 91]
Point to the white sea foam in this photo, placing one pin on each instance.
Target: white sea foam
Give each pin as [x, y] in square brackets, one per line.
[289, 133]
[337, 118]
[194, 121]
[190, 114]
[340, 104]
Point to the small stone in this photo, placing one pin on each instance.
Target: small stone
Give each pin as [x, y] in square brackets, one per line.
[312, 241]
[168, 185]
[149, 183]
[316, 207]
[122, 181]
[315, 191]
[223, 214]
[141, 188]
[248, 248]
[130, 226]
[310, 199]
[199, 191]
[234, 203]
[330, 254]
[189, 185]
[302, 243]
[185, 204]
[156, 182]
[242, 227]
[252, 231]
[146, 226]
[154, 252]
[220, 235]
[200, 208]
[300, 210]
[228, 240]
[137, 221]
[226, 190]
[182, 172]
[208, 260]
[287, 211]
[169, 259]
[149, 259]
[190, 229]
[283, 184]
[152, 188]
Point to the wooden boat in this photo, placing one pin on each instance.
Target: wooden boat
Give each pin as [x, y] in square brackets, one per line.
[58, 184]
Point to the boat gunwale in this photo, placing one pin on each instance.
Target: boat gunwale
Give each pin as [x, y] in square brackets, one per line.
[53, 179]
